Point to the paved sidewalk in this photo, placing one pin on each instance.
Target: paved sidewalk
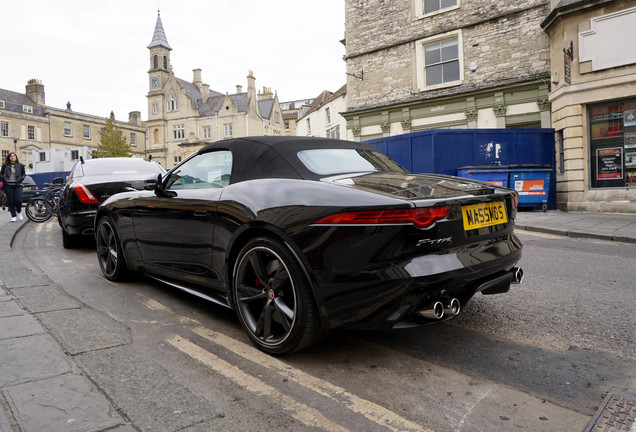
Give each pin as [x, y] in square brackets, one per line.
[41, 388]
[603, 226]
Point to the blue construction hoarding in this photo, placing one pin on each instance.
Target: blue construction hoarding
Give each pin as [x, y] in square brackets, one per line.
[444, 151]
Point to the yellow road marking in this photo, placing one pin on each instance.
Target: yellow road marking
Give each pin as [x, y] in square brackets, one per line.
[532, 233]
[155, 305]
[372, 411]
[301, 412]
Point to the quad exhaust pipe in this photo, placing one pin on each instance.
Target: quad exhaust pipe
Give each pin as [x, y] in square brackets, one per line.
[517, 275]
[438, 309]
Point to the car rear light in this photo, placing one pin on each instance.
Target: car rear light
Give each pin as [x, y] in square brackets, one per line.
[515, 201]
[420, 217]
[85, 195]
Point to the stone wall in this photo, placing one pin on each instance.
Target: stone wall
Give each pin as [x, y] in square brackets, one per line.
[503, 39]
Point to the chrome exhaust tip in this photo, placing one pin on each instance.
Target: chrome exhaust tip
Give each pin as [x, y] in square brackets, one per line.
[434, 311]
[517, 275]
[452, 307]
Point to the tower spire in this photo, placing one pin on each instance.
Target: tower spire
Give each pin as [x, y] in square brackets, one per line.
[159, 36]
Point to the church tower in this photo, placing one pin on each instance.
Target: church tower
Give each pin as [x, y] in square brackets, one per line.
[159, 58]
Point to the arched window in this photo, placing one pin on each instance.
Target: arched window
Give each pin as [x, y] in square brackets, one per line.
[155, 62]
[155, 138]
[165, 62]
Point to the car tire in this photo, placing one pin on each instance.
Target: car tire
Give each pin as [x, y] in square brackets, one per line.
[70, 241]
[109, 251]
[273, 299]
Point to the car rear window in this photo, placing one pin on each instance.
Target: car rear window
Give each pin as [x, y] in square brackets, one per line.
[122, 168]
[338, 161]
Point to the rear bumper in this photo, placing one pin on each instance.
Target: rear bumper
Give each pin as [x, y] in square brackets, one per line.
[79, 223]
[392, 295]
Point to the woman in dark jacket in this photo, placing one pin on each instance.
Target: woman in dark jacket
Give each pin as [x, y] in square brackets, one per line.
[12, 174]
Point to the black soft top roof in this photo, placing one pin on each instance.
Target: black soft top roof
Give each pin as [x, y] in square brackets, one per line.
[276, 156]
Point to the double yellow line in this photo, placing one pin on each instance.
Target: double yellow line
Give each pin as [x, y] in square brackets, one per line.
[299, 411]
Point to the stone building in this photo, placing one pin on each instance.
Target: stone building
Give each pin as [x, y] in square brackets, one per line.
[292, 110]
[422, 64]
[323, 118]
[594, 103]
[28, 125]
[184, 116]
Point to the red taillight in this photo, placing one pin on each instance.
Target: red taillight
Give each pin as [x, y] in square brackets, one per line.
[515, 201]
[420, 217]
[85, 195]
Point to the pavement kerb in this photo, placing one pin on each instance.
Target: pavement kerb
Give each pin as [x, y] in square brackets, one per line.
[15, 233]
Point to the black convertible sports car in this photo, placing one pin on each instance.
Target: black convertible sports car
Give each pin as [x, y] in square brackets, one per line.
[304, 235]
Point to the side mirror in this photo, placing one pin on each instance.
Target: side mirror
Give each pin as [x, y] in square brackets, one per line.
[58, 180]
[151, 183]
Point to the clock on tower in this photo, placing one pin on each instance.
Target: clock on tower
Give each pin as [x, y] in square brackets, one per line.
[154, 82]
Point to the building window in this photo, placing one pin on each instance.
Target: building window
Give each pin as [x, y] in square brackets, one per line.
[155, 108]
[173, 104]
[308, 126]
[178, 131]
[31, 132]
[228, 130]
[27, 109]
[68, 129]
[442, 62]
[439, 61]
[133, 139]
[613, 144]
[287, 126]
[5, 153]
[328, 115]
[334, 132]
[74, 154]
[207, 132]
[4, 129]
[177, 159]
[277, 117]
[155, 62]
[165, 62]
[1, 104]
[86, 132]
[431, 6]
[42, 156]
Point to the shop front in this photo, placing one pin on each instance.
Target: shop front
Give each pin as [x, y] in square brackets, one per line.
[612, 132]
[593, 98]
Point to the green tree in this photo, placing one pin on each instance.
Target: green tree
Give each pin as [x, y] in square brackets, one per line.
[112, 142]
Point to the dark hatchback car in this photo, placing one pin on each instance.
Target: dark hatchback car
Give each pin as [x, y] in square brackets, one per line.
[29, 188]
[303, 235]
[91, 182]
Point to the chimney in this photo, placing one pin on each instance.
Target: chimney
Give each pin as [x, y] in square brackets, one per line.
[267, 94]
[134, 117]
[206, 92]
[239, 89]
[35, 90]
[252, 102]
[197, 78]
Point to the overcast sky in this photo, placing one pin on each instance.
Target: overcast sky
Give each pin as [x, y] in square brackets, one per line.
[94, 54]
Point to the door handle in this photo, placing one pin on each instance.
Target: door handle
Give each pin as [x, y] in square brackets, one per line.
[200, 212]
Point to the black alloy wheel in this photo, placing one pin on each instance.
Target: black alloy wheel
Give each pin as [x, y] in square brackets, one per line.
[273, 299]
[109, 254]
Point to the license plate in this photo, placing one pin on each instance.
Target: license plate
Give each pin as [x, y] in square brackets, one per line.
[483, 215]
